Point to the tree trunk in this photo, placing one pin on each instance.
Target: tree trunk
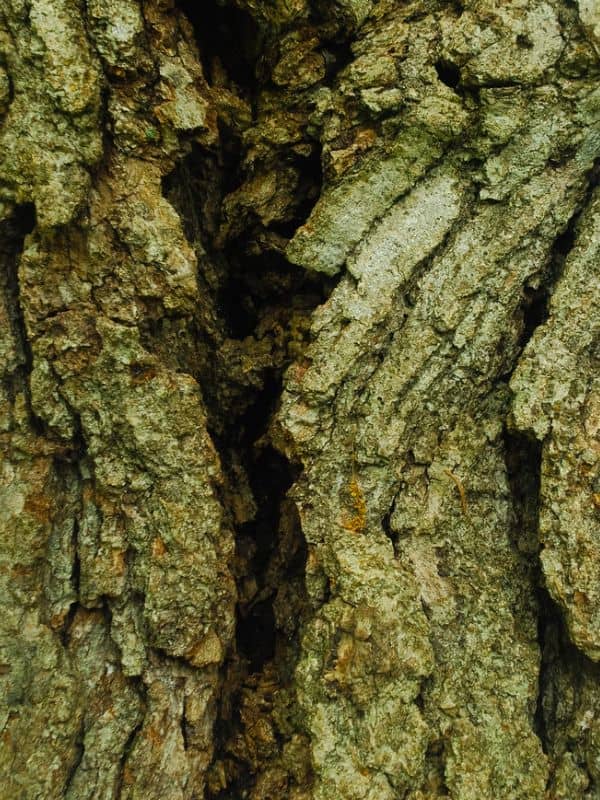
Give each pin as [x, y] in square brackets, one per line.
[300, 406]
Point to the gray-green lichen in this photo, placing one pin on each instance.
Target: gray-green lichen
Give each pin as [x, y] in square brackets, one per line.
[398, 402]
[51, 135]
[456, 151]
[119, 601]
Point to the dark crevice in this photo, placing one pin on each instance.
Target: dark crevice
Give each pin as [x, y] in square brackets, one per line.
[436, 758]
[562, 664]
[270, 554]
[246, 292]
[183, 725]
[228, 39]
[448, 73]
[79, 752]
[24, 220]
[128, 747]
[523, 457]
[386, 526]
[266, 291]
[255, 635]
[548, 615]
[307, 192]
[338, 55]
[195, 187]
[12, 236]
[252, 321]
[535, 311]
[537, 299]
[568, 676]
[535, 308]
[270, 477]
[524, 41]
[75, 582]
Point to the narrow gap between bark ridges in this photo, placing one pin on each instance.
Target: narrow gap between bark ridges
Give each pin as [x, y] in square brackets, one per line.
[225, 34]
[524, 469]
[255, 308]
[523, 466]
[13, 232]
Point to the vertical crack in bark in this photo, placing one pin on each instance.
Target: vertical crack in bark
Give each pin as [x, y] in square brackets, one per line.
[523, 464]
[74, 459]
[75, 576]
[253, 321]
[12, 236]
[259, 325]
[536, 298]
[129, 744]
[524, 470]
[79, 749]
[228, 38]
[448, 73]
[569, 681]
[535, 307]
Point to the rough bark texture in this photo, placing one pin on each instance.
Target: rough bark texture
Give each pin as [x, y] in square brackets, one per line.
[299, 400]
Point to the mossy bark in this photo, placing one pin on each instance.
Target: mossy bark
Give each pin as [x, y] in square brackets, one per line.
[299, 400]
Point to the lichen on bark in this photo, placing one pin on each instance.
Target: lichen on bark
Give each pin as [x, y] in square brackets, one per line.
[299, 410]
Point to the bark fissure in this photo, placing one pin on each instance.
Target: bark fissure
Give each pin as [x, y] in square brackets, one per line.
[229, 42]
[256, 308]
[79, 748]
[74, 581]
[252, 305]
[12, 236]
[524, 469]
[536, 297]
[126, 751]
[523, 466]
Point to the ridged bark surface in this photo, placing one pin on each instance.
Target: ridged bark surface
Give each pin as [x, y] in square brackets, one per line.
[299, 400]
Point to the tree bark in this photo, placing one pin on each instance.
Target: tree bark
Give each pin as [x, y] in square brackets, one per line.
[299, 400]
